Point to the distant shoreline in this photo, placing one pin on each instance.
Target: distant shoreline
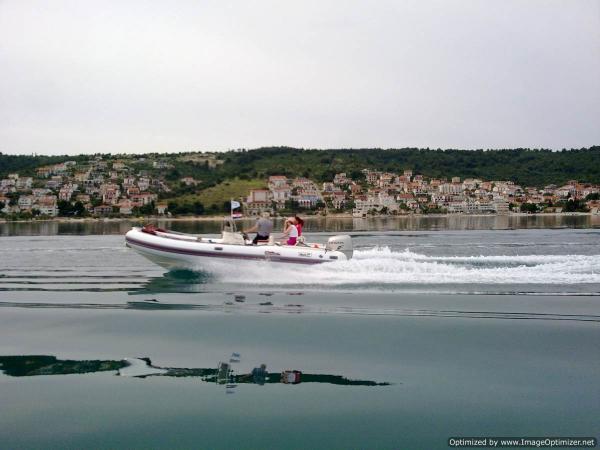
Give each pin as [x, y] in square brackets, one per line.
[308, 217]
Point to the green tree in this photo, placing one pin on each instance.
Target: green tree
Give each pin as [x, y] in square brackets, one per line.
[64, 208]
[13, 198]
[357, 175]
[198, 208]
[575, 206]
[147, 209]
[79, 209]
[173, 175]
[172, 207]
[528, 207]
[327, 175]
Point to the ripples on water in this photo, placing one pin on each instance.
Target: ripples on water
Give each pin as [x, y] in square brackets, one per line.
[422, 336]
[521, 262]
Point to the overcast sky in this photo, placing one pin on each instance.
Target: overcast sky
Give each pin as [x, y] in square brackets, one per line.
[140, 76]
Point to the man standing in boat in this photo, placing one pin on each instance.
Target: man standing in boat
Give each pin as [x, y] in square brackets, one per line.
[262, 227]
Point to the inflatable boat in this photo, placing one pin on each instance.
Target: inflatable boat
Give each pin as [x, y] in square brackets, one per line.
[171, 249]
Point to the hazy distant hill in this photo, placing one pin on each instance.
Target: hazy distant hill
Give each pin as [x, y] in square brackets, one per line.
[524, 166]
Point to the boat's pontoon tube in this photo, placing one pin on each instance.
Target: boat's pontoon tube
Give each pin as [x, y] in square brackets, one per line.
[341, 243]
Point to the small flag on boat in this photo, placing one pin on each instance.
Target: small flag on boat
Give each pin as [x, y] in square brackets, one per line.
[235, 205]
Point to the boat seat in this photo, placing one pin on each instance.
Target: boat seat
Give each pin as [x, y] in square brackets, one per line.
[233, 238]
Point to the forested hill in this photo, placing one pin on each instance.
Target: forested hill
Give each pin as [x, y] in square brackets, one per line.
[26, 164]
[524, 166]
[528, 167]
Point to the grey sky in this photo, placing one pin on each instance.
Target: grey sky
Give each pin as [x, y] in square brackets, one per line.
[136, 76]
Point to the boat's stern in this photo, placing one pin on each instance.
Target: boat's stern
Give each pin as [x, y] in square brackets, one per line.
[341, 243]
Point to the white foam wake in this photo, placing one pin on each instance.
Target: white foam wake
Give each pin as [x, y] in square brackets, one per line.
[381, 266]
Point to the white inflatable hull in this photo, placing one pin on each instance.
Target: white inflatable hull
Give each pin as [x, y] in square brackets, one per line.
[179, 250]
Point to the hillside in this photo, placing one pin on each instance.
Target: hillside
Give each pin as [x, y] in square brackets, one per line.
[213, 198]
[526, 167]
[523, 166]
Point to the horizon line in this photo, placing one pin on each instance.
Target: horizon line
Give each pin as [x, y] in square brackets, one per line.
[287, 147]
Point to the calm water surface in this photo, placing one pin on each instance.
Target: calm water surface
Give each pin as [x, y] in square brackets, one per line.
[478, 327]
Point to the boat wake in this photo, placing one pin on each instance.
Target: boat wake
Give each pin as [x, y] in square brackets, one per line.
[374, 269]
[383, 268]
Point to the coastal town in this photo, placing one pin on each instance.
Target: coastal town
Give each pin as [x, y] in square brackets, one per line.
[105, 187]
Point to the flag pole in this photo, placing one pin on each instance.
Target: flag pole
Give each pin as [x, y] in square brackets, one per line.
[234, 204]
[233, 226]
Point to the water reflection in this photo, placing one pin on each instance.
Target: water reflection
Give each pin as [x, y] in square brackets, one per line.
[175, 281]
[313, 224]
[35, 365]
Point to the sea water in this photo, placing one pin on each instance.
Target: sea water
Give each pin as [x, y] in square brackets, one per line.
[425, 334]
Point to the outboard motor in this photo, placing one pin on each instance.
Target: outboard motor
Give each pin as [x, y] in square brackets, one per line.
[341, 243]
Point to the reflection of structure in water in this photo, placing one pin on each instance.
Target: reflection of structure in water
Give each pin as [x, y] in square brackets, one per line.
[32, 365]
[259, 374]
[225, 374]
[26, 366]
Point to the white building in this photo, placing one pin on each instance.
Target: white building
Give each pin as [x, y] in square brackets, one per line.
[24, 183]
